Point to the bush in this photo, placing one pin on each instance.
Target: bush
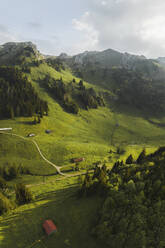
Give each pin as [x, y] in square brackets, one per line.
[23, 194]
[3, 184]
[120, 150]
[5, 204]
[10, 172]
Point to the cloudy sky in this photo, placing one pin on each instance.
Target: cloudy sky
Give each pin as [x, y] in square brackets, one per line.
[74, 26]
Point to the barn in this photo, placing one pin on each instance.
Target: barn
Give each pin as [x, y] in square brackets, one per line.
[49, 227]
[77, 160]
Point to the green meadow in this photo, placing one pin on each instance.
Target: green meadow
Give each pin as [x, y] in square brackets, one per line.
[90, 134]
[57, 201]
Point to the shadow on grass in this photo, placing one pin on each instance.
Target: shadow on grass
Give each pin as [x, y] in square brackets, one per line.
[31, 123]
[73, 217]
[134, 111]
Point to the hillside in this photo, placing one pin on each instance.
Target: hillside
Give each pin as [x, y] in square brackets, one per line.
[111, 123]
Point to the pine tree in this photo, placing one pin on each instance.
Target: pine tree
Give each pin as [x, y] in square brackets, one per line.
[35, 120]
[142, 156]
[23, 194]
[129, 160]
[39, 119]
[11, 113]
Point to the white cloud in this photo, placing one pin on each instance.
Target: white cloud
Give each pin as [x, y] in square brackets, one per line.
[7, 36]
[103, 3]
[136, 26]
[90, 34]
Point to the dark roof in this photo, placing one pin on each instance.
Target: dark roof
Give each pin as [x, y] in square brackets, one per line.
[47, 131]
[49, 227]
[78, 160]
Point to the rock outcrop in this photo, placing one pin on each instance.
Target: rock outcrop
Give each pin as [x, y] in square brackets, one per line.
[17, 52]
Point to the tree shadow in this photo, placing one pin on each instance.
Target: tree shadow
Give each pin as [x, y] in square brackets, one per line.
[73, 217]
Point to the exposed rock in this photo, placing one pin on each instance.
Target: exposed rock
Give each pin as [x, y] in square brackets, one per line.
[14, 52]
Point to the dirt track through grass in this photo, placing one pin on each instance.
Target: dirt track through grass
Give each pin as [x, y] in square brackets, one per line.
[35, 143]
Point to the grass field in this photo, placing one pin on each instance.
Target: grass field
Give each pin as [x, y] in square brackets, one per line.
[90, 134]
[57, 201]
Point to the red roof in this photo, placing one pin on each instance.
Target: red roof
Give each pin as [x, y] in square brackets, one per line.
[49, 227]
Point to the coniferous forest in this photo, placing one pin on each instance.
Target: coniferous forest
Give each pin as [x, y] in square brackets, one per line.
[133, 212]
[17, 96]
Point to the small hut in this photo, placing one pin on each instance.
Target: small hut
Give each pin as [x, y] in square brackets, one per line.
[31, 135]
[49, 227]
[77, 160]
[47, 131]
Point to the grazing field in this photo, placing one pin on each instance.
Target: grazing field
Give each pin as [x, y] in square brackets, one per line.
[57, 201]
[91, 135]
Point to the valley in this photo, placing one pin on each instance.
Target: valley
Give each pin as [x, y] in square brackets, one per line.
[114, 121]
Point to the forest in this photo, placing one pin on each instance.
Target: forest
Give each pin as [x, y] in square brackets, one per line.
[133, 212]
[141, 92]
[72, 96]
[17, 96]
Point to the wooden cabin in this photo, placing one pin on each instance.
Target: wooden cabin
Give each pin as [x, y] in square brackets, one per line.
[77, 160]
[49, 227]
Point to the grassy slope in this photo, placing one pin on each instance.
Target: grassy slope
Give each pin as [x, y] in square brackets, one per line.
[90, 134]
[57, 201]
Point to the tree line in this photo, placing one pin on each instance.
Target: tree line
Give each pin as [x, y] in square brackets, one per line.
[141, 92]
[72, 95]
[133, 212]
[17, 96]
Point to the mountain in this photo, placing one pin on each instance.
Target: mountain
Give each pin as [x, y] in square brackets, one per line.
[100, 109]
[131, 79]
[13, 53]
[88, 64]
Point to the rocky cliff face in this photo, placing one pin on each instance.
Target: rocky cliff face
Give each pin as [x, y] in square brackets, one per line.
[97, 66]
[107, 59]
[17, 52]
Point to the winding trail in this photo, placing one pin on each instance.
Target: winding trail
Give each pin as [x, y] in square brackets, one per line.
[35, 143]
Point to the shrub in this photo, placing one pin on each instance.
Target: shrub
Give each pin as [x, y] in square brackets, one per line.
[120, 150]
[5, 204]
[3, 184]
[23, 194]
[10, 172]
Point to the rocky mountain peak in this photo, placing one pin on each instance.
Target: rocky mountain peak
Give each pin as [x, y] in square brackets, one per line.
[11, 52]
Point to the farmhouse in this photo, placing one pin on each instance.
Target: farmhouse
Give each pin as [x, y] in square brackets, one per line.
[31, 135]
[47, 131]
[77, 160]
[49, 227]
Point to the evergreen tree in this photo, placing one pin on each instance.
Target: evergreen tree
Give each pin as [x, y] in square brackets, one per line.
[5, 204]
[3, 184]
[129, 160]
[142, 157]
[23, 194]
[39, 119]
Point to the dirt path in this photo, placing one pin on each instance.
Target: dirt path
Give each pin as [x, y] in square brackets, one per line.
[35, 143]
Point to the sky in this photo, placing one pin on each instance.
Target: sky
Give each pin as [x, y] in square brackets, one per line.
[75, 26]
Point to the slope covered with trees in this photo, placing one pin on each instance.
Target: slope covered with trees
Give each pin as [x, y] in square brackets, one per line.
[133, 213]
[72, 95]
[17, 96]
